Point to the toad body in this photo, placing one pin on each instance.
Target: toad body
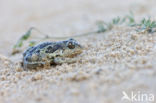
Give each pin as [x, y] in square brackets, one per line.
[49, 53]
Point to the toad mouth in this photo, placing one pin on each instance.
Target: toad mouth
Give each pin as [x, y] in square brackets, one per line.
[75, 54]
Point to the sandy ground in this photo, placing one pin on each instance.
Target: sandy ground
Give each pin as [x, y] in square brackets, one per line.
[112, 62]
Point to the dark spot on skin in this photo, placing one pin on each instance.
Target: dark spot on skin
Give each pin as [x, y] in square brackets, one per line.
[53, 64]
[64, 42]
[57, 55]
[28, 51]
[52, 57]
[51, 49]
[57, 46]
[38, 51]
[28, 58]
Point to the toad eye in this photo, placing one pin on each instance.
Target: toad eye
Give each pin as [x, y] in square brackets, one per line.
[71, 45]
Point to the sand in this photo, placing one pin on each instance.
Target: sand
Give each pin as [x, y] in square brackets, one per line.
[117, 61]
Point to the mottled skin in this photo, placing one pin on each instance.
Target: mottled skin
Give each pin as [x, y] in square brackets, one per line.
[48, 53]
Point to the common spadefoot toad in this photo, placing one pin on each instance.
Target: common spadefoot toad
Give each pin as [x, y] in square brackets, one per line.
[49, 53]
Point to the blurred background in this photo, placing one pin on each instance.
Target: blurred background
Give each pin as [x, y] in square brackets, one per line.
[60, 17]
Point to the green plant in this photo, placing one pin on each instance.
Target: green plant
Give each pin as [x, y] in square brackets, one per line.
[130, 18]
[32, 43]
[101, 26]
[23, 38]
[147, 25]
[116, 20]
